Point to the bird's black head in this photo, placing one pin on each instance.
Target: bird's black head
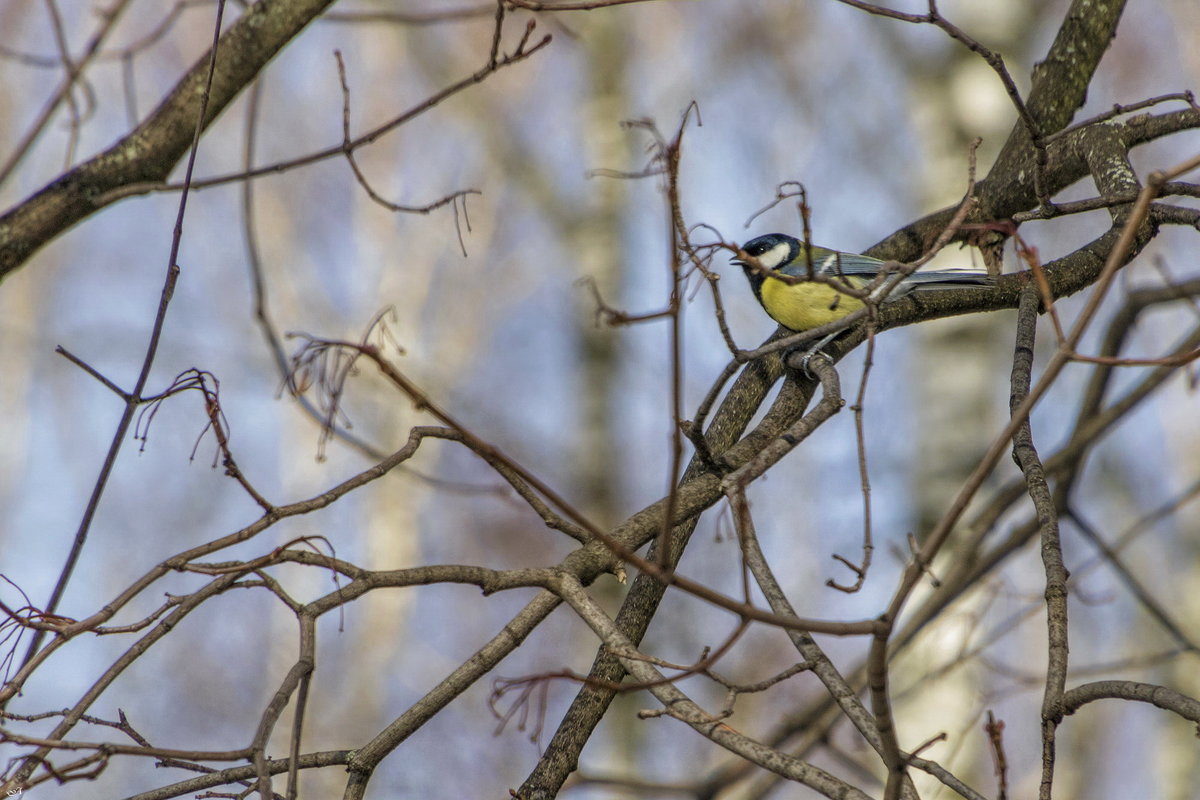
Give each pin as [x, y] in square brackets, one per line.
[773, 250]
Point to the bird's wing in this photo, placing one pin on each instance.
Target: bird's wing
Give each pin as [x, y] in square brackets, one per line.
[833, 263]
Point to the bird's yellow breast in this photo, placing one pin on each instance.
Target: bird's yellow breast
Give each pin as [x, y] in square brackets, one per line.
[801, 306]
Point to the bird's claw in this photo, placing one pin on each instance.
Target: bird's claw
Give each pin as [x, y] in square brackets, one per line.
[807, 358]
[817, 349]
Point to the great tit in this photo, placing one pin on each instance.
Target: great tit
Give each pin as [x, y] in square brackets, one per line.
[809, 304]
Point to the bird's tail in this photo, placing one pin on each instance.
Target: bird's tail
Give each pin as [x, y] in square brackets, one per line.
[946, 279]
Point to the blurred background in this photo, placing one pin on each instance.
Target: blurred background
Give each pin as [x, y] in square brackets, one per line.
[873, 116]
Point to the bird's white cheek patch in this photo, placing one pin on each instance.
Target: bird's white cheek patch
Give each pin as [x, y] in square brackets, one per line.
[776, 256]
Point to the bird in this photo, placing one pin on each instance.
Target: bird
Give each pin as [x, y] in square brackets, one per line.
[806, 304]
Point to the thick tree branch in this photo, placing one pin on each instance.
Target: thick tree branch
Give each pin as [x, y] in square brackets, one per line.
[151, 151]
